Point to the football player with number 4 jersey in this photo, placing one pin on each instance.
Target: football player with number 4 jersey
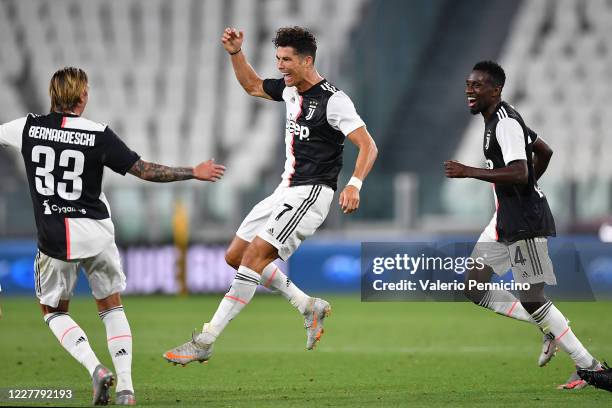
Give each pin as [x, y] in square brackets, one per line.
[65, 156]
[319, 117]
[516, 237]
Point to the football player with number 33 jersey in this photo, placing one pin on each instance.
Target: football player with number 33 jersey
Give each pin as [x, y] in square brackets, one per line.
[65, 156]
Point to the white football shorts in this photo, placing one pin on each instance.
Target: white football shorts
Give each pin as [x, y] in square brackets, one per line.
[287, 217]
[55, 279]
[528, 258]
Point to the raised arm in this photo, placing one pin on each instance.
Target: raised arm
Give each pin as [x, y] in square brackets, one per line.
[246, 75]
[349, 197]
[205, 171]
[542, 154]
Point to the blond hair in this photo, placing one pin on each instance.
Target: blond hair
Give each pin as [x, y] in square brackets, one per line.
[66, 87]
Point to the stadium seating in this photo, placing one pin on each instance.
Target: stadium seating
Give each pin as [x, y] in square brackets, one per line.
[558, 62]
[161, 79]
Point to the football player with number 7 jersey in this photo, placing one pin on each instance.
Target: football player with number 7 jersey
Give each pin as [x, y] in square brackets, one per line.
[64, 156]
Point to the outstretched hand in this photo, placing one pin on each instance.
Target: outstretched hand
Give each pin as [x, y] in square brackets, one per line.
[209, 171]
[232, 40]
[349, 199]
[454, 169]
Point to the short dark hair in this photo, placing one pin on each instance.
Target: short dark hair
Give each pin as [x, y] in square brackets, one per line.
[302, 40]
[495, 71]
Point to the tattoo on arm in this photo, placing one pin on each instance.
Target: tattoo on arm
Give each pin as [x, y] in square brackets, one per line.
[160, 173]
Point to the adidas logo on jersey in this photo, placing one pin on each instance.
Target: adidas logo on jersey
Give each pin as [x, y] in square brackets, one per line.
[121, 352]
[80, 340]
[329, 87]
[270, 231]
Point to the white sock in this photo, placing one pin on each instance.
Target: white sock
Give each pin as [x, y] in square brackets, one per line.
[506, 304]
[73, 339]
[119, 338]
[273, 277]
[551, 320]
[239, 295]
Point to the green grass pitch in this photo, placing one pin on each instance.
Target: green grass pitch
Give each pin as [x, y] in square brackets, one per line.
[372, 354]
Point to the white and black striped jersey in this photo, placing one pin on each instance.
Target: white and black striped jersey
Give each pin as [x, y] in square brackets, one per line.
[65, 156]
[318, 120]
[522, 210]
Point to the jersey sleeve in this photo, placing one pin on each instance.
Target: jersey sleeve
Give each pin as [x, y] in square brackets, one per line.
[533, 136]
[274, 88]
[12, 132]
[511, 140]
[341, 114]
[117, 156]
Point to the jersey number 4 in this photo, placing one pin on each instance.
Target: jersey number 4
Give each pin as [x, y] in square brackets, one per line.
[44, 180]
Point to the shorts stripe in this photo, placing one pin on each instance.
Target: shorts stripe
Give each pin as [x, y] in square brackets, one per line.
[535, 249]
[301, 216]
[531, 257]
[310, 195]
[37, 273]
[533, 254]
[297, 217]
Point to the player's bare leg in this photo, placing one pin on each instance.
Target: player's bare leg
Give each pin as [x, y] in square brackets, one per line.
[119, 341]
[314, 310]
[505, 303]
[553, 322]
[74, 340]
[257, 255]
[500, 301]
[271, 277]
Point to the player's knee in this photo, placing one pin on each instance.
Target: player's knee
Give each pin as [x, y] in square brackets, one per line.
[109, 302]
[233, 258]
[258, 254]
[250, 256]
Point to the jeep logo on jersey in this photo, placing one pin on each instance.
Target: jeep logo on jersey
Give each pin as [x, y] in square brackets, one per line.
[294, 128]
[312, 107]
